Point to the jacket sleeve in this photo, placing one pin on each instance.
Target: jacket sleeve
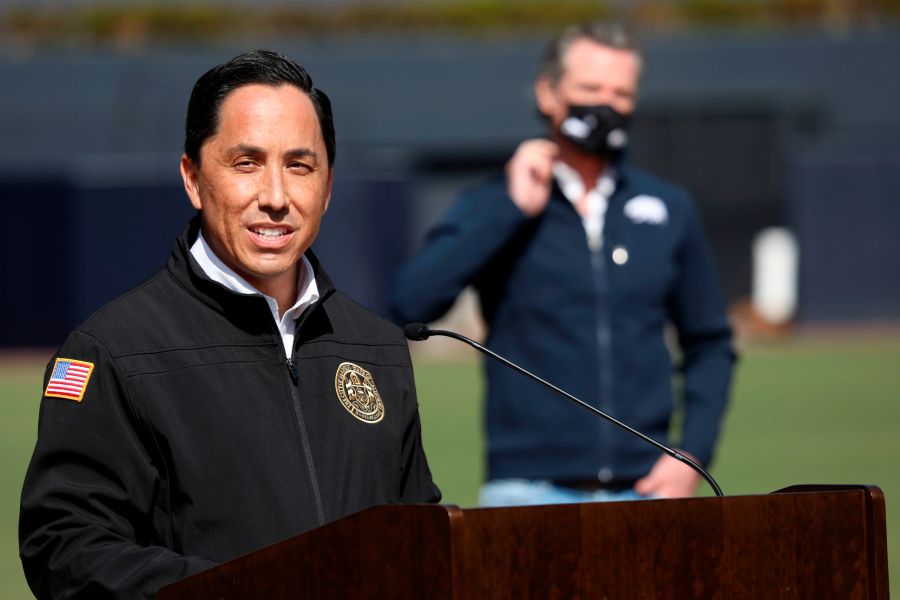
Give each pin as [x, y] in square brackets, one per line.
[416, 482]
[85, 524]
[699, 314]
[479, 225]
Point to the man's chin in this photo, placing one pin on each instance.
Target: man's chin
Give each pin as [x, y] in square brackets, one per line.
[266, 272]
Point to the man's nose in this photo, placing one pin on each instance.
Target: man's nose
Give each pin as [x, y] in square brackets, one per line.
[273, 195]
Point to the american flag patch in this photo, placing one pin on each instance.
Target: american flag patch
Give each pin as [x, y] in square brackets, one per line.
[69, 379]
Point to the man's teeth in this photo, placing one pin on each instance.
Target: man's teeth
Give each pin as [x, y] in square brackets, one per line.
[269, 233]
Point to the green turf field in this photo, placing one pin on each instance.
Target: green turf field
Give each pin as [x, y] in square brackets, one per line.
[811, 410]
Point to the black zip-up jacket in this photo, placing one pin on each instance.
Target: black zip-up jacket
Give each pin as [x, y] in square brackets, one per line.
[198, 440]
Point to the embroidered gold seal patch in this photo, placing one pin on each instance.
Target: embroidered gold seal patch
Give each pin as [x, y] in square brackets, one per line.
[356, 390]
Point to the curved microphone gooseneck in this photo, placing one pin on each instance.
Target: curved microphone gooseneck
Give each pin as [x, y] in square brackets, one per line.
[419, 332]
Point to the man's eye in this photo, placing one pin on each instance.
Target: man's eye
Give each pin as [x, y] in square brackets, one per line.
[299, 167]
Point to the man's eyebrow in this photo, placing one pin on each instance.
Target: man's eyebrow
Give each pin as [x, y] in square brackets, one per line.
[245, 149]
[302, 152]
[293, 152]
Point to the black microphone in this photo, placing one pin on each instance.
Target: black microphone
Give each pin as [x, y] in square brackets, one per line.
[419, 332]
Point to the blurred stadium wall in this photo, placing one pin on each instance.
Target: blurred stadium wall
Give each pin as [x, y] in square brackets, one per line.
[793, 129]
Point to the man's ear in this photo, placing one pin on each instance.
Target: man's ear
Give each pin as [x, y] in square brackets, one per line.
[545, 96]
[328, 190]
[190, 174]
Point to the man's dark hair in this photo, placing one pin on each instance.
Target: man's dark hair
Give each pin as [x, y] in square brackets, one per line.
[257, 67]
[613, 35]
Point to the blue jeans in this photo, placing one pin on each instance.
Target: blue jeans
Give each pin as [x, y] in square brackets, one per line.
[523, 492]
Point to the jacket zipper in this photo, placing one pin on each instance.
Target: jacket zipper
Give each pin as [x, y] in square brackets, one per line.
[292, 369]
[304, 438]
[604, 352]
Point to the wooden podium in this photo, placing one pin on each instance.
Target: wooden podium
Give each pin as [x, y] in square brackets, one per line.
[814, 542]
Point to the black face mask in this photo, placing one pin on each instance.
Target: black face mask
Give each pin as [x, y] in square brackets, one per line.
[599, 130]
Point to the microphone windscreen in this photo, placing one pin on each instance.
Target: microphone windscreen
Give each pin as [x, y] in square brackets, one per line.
[416, 332]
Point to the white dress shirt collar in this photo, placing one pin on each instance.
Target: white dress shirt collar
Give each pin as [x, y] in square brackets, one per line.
[218, 271]
[597, 198]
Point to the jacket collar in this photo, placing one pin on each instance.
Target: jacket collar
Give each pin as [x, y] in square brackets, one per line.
[184, 269]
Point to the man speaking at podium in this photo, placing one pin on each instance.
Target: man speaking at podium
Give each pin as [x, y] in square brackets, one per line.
[580, 260]
[235, 398]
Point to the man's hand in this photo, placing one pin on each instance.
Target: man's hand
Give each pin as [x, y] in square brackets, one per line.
[529, 175]
[669, 478]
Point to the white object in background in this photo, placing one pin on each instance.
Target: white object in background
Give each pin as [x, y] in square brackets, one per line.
[647, 209]
[775, 262]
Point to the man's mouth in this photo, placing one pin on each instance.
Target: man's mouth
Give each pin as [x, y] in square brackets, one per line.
[269, 233]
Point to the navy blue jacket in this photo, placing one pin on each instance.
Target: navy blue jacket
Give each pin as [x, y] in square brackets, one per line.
[584, 322]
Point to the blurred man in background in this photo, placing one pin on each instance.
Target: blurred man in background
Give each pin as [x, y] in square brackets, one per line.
[580, 260]
[236, 398]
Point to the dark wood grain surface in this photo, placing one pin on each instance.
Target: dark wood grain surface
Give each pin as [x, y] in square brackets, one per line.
[811, 542]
